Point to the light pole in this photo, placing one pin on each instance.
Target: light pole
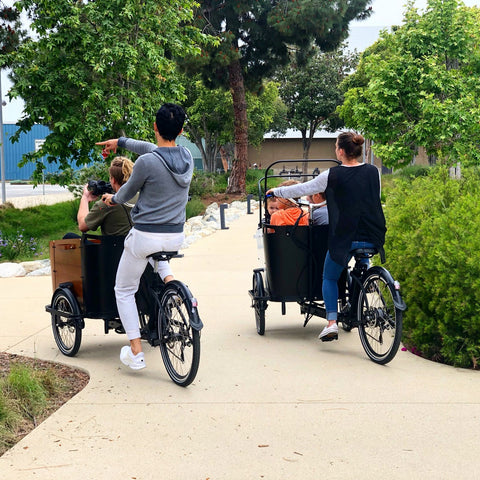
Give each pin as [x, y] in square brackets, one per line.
[2, 152]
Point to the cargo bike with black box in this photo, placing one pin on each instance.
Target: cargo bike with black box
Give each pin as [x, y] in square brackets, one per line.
[83, 279]
[369, 297]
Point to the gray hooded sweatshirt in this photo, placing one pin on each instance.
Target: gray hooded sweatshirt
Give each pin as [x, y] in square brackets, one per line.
[162, 176]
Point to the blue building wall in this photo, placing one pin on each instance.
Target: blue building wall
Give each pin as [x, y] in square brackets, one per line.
[14, 151]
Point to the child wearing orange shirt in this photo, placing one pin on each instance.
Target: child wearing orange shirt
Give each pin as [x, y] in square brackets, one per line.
[288, 213]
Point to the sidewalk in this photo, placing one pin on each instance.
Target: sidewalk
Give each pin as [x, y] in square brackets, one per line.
[26, 195]
[282, 406]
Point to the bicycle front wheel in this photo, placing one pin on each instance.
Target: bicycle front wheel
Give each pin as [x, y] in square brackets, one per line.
[380, 321]
[179, 341]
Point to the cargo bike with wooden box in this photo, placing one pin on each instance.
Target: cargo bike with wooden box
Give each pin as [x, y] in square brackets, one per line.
[369, 297]
[83, 279]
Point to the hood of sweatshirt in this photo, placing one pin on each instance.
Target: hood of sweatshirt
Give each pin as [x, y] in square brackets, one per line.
[179, 161]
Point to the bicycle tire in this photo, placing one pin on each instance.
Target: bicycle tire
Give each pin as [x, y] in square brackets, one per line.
[179, 341]
[67, 331]
[380, 321]
[259, 305]
[344, 294]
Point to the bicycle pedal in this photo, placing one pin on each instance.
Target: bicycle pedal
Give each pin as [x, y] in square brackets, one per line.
[329, 338]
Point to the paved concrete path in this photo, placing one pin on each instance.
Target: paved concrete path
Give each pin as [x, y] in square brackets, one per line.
[26, 195]
[282, 406]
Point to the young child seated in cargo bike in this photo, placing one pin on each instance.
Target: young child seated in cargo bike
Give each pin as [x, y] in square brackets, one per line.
[288, 212]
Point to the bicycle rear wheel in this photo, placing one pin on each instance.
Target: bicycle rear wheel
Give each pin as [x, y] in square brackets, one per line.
[66, 326]
[380, 321]
[179, 341]
[259, 304]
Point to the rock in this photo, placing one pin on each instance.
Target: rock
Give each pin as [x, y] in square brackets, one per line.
[9, 269]
[35, 265]
[39, 272]
[212, 209]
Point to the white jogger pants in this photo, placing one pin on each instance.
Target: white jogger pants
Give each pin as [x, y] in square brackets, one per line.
[138, 245]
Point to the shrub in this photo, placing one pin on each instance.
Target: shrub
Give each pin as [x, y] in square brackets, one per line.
[194, 207]
[17, 245]
[433, 248]
[95, 171]
[413, 171]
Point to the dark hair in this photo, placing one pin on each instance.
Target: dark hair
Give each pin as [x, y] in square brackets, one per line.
[351, 144]
[169, 121]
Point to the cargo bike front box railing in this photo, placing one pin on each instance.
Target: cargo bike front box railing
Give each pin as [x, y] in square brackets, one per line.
[83, 279]
[369, 298]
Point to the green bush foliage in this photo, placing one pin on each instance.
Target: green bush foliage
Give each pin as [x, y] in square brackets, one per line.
[207, 183]
[13, 246]
[433, 248]
[194, 207]
[413, 171]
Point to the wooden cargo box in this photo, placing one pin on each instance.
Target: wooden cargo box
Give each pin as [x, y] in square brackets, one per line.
[66, 265]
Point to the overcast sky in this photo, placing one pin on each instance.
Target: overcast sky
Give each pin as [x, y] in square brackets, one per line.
[385, 13]
[390, 12]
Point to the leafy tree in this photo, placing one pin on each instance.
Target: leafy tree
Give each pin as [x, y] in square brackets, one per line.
[420, 86]
[11, 32]
[312, 91]
[210, 117]
[98, 69]
[209, 122]
[255, 38]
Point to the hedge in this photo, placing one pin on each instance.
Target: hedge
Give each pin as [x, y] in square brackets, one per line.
[433, 249]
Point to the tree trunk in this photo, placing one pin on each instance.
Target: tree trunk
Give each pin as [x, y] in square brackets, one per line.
[307, 142]
[239, 167]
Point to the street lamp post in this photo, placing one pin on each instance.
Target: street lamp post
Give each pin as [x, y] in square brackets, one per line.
[2, 152]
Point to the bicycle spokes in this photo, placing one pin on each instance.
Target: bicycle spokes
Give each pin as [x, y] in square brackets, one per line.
[380, 321]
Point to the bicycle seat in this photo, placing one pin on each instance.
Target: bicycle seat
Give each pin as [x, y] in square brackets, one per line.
[364, 252]
[163, 256]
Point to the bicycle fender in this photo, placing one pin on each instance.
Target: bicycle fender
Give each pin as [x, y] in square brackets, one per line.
[65, 288]
[195, 321]
[397, 297]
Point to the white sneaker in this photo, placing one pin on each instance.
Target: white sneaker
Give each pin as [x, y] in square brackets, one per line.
[135, 362]
[329, 333]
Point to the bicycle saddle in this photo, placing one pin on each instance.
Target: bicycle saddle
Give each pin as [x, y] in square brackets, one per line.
[364, 252]
[163, 256]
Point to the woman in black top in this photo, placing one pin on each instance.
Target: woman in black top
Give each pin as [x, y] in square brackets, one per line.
[355, 213]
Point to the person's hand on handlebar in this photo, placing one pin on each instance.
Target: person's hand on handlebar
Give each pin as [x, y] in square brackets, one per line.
[269, 193]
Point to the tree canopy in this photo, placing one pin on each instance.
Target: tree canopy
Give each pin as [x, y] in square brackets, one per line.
[312, 91]
[99, 69]
[210, 117]
[11, 32]
[420, 86]
[255, 37]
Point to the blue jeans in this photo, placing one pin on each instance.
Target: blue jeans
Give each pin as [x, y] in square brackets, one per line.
[331, 274]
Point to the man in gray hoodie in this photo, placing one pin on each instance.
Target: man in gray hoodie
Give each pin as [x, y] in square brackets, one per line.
[162, 175]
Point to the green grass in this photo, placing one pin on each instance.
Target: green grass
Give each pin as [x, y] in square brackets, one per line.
[25, 394]
[20, 228]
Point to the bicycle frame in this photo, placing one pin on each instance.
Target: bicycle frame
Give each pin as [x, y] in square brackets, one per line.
[149, 294]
